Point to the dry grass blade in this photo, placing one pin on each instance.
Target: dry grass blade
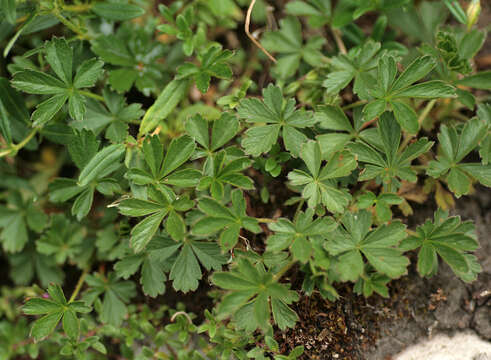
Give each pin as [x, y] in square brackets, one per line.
[250, 36]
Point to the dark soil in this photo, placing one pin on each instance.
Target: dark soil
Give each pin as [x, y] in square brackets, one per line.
[377, 328]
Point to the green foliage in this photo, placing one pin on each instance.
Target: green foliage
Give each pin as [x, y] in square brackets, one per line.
[391, 90]
[146, 154]
[289, 43]
[254, 294]
[278, 115]
[454, 147]
[384, 158]
[355, 242]
[54, 310]
[319, 184]
[450, 239]
[62, 86]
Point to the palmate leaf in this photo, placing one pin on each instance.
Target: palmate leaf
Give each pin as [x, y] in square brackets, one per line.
[15, 220]
[383, 158]
[288, 42]
[115, 295]
[134, 54]
[212, 64]
[355, 241]
[160, 170]
[112, 118]
[63, 240]
[454, 148]
[449, 238]
[254, 294]
[229, 221]
[382, 204]
[53, 310]
[222, 131]
[357, 65]
[278, 116]
[29, 264]
[225, 169]
[318, 11]
[151, 263]
[390, 91]
[181, 258]
[63, 86]
[319, 184]
[155, 208]
[298, 235]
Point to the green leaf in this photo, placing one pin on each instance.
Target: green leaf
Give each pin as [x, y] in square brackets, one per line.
[415, 71]
[277, 114]
[35, 82]
[13, 111]
[319, 186]
[379, 247]
[456, 10]
[71, 324]
[117, 11]
[143, 232]
[10, 11]
[449, 238]
[82, 147]
[480, 80]
[98, 165]
[252, 291]
[197, 128]
[356, 65]
[175, 226]
[180, 150]
[46, 110]
[115, 294]
[227, 220]
[224, 129]
[44, 326]
[186, 271]
[168, 99]
[39, 306]
[260, 139]
[88, 73]
[428, 90]
[405, 116]
[59, 55]
[374, 109]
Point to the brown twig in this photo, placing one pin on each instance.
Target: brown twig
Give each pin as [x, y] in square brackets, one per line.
[250, 36]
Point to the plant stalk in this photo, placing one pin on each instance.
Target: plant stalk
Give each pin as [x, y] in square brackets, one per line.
[15, 148]
[80, 282]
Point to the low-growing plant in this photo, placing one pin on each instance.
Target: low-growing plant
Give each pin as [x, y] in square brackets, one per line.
[148, 151]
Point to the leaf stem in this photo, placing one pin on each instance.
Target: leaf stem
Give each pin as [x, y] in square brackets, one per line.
[70, 25]
[339, 41]
[15, 148]
[283, 270]
[80, 282]
[91, 95]
[265, 220]
[355, 104]
[77, 8]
